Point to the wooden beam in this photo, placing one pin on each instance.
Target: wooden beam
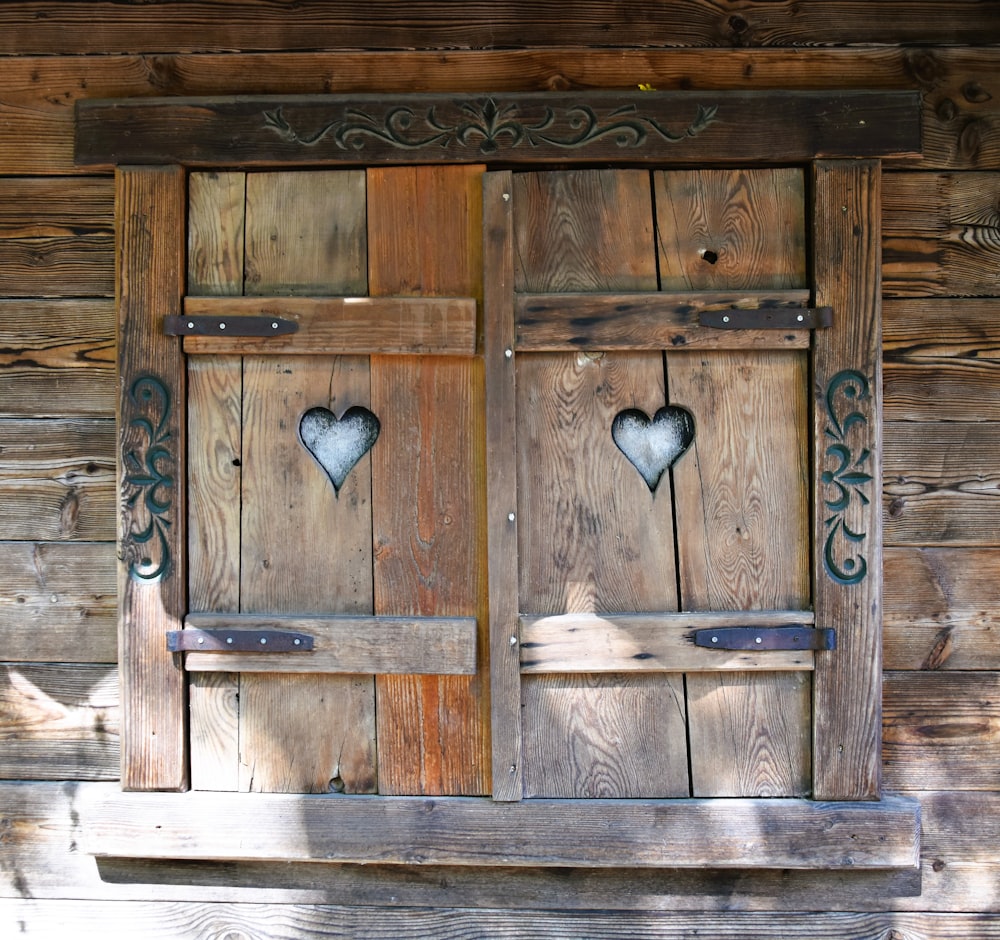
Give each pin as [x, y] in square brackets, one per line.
[554, 322]
[343, 325]
[847, 516]
[501, 485]
[587, 643]
[737, 833]
[347, 644]
[152, 583]
[626, 127]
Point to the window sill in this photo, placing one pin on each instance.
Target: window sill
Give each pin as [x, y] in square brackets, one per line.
[716, 833]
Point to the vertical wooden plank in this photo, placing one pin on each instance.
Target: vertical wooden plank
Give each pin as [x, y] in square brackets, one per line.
[428, 481]
[742, 490]
[743, 542]
[304, 547]
[150, 214]
[501, 483]
[216, 212]
[592, 536]
[847, 523]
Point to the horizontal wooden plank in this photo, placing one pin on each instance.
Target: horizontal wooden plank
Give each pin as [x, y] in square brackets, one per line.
[960, 871]
[391, 24]
[960, 114]
[425, 325]
[941, 483]
[59, 722]
[187, 921]
[75, 266]
[60, 207]
[347, 644]
[647, 321]
[57, 358]
[940, 234]
[57, 479]
[941, 359]
[632, 127]
[470, 831]
[657, 642]
[58, 602]
[941, 730]
[939, 610]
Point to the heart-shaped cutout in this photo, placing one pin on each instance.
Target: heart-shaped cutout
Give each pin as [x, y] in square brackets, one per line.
[652, 447]
[338, 444]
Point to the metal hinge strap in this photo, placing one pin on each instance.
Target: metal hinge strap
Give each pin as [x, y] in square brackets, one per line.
[766, 638]
[238, 641]
[204, 325]
[768, 318]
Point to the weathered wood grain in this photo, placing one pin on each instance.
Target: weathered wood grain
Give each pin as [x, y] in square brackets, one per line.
[661, 642]
[187, 922]
[941, 730]
[59, 722]
[57, 479]
[425, 240]
[847, 441]
[653, 320]
[939, 612]
[592, 536]
[501, 485]
[959, 117]
[346, 644]
[941, 234]
[57, 358]
[58, 602]
[76, 266]
[470, 831]
[742, 490]
[743, 230]
[150, 214]
[304, 547]
[64, 29]
[349, 325]
[942, 359]
[44, 830]
[941, 486]
[637, 127]
[54, 208]
[215, 252]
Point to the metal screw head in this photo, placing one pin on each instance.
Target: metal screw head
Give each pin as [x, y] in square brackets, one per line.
[757, 639]
[274, 325]
[263, 641]
[297, 641]
[508, 353]
[725, 319]
[229, 640]
[222, 326]
[190, 325]
[201, 641]
[506, 197]
[510, 517]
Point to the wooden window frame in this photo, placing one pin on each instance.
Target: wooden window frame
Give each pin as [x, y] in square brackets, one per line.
[153, 142]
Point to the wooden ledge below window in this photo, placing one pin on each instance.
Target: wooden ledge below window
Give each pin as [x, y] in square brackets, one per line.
[710, 833]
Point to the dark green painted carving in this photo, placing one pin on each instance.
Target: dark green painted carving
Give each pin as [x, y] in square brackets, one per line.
[148, 467]
[489, 126]
[846, 478]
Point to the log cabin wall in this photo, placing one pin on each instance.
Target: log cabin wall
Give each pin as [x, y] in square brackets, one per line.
[941, 297]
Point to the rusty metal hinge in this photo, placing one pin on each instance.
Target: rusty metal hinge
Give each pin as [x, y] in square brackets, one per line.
[238, 641]
[768, 318]
[765, 638]
[228, 326]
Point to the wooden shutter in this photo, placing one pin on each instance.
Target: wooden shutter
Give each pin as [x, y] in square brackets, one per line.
[271, 536]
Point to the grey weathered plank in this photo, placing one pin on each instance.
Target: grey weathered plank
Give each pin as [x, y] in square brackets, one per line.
[347, 644]
[58, 602]
[658, 642]
[470, 831]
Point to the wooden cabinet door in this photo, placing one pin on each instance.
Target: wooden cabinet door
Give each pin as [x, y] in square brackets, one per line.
[617, 533]
[286, 525]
